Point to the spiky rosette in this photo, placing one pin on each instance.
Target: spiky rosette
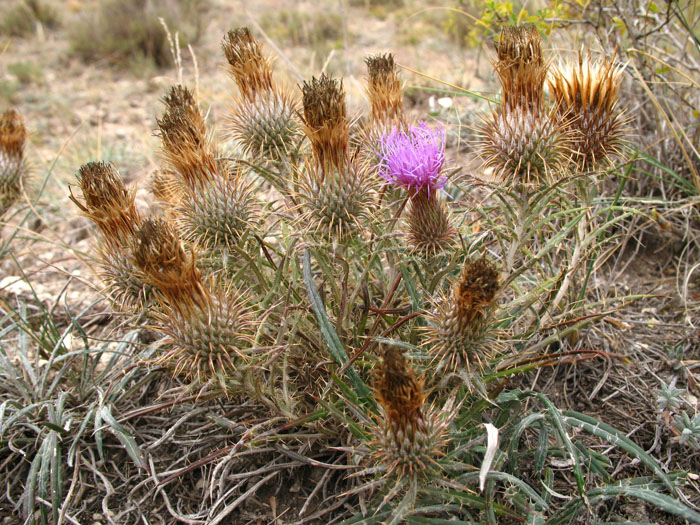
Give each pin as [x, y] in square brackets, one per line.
[461, 333]
[384, 91]
[107, 202]
[186, 146]
[523, 147]
[325, 120]
[586, 94]
[248, 67]
[164, 265]
[335, 203]
[13, 138]
[430, 230]
[521, 67]
[412, 435]
[209, 339]
[266, 126]
[217, 214]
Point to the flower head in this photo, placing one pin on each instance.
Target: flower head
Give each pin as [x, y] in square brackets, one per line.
[414, 159]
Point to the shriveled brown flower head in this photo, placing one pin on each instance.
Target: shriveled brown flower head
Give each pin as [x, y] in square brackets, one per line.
[249, 68]
[413, 435]
[384, 90]
[107, 202]
[186, 146]
[521, 66]
[586, 94]
[398, 389]
[13, 138]
[166, 266]
[459, 332]
[325, 120]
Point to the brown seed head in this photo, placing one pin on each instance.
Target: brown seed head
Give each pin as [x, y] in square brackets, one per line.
[521, 67]
[186, 146]
[586, 94]
[107, 202]
[158, 253]
[475, 290]
[384, 90]
[249, 68]
[13, 134]
[325, 120]
[398, 389]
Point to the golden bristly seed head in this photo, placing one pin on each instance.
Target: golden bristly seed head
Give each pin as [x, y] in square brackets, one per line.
[475, 291]
[398, 390]
[521, 67]
[107, 202]
[249, 68]
[523, 147]
[186, 146]
[165, 265]
[384, 90]
[430, 229]
[266, 127]
[325, 120]
[586, 94]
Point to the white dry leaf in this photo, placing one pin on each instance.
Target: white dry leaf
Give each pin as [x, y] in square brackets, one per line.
[491, 448]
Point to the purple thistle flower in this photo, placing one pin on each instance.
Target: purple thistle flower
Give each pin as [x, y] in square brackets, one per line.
[413, 160]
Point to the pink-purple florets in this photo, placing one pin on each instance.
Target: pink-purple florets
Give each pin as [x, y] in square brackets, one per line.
[413, 159]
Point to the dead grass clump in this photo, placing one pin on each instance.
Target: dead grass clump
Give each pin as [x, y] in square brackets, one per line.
[130, 32]
[21, 18]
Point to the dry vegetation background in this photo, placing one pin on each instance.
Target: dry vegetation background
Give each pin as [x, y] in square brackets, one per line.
[89, 78]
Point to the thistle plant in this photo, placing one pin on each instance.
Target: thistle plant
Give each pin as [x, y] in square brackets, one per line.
[263, 120]
[335, 190]
[461, 337]
[111, 207]
[13, 168]
[413, 160]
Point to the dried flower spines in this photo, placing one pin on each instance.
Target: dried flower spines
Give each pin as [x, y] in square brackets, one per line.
[384, 91]
[249, 68]
[186, 146]
[13, 138]
[586, 95]
[325, 120]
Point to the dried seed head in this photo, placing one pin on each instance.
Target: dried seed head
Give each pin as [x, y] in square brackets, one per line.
[267, 126]
[183, 133]
[430, 230]
[412, 436]
[384, 90]
[461, 332]
[210, 340]
[523, 147]
[107, 202]
[325, 120]
[218, 214]
[521, 67]
[13, 138]
[158, 253]
[586, 95]
[335, 202]
[249, 68]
